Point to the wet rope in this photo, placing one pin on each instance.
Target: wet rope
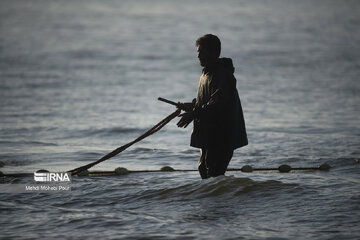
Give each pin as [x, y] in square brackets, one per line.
[151, 131]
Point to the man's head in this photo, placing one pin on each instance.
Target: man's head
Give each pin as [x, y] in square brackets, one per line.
[209, 48]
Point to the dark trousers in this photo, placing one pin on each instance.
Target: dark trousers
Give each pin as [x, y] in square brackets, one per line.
[214, 161]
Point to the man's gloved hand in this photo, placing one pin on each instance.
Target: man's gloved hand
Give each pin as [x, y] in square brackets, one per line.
[187, 107]
[186, 118]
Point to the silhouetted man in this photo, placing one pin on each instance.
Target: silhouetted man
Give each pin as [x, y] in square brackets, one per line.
[219, 125]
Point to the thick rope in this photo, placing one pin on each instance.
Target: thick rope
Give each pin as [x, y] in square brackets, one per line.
[151, 131]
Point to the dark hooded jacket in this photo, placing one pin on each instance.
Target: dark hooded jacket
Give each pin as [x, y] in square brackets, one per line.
[218, 115]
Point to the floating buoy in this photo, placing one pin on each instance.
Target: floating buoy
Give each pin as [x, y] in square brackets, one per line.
[42, 171]
[284, 168]
[357, 160]
[121, 171]
[324, 167]
[247, 168]
[2, 164]
[167, 169]
[83, 173]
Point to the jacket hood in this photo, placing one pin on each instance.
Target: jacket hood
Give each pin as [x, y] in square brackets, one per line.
[227, 64]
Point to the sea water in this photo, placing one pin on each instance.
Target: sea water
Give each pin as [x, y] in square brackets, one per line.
[81, 78]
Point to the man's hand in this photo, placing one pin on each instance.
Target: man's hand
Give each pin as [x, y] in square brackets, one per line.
[187, 107]
[186, 118]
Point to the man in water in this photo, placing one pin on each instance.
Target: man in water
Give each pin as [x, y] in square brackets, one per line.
[219, 126]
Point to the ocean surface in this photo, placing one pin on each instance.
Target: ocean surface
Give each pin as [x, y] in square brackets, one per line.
[80, 78]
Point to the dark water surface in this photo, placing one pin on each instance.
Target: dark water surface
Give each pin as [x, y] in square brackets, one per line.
[80, 78]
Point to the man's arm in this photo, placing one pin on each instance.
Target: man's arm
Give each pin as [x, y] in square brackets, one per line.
[220, 98]
[194, 112]
[188, 116]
